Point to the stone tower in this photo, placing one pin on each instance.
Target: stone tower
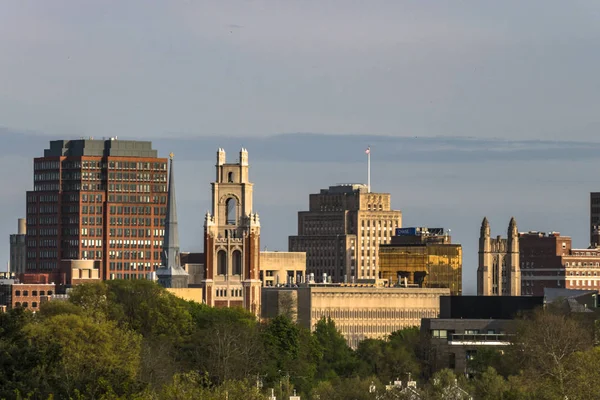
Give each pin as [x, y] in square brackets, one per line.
[499, 271]
[513, 267]
[484, 275]
[171, 274]
[232, 239]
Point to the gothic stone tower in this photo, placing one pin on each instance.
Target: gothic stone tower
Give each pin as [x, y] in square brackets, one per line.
[499, 272]
[232, 239]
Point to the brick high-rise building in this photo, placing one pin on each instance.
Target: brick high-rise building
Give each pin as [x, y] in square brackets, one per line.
[342, 230]
[102, 200]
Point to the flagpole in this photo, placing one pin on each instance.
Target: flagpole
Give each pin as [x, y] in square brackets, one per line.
[369, 169]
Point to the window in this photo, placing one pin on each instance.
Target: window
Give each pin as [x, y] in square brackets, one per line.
[17, 304]
[17, 293]
[34, 304]
[49, 292]
[34, 293]
[471, 332]
[25, 292]
[230, 177]
[25, 304]
[231, 211]
[237, 262]
[222, 262]
[440, 333]
[42, 293]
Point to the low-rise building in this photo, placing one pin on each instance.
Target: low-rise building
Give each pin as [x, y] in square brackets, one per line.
[282, 267]
[359, 311]
[29, 296]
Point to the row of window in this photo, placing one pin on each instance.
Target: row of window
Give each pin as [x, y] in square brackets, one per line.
[120, 232]
[143, 177]
[140, 165]
[33, 293]
[132, 210]
[223, 292]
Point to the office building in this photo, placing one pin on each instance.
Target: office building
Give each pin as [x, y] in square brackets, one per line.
[342, 230]
[232, 239]
[422, 257]
[360, 311]
[18, 248]
[499, 272]
[102, 200]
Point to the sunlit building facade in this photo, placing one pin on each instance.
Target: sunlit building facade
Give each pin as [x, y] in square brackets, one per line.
[422, 257]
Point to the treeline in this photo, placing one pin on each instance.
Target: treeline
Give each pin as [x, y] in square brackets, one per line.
[134, 340]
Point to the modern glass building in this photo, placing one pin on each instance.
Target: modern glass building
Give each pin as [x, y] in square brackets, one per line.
[422, 257]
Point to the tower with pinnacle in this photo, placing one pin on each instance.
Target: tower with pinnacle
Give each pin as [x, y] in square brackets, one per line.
[232, 239]
[171, 274]
[499, 271]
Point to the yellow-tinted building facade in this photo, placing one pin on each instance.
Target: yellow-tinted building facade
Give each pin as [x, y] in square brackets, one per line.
[422, 261]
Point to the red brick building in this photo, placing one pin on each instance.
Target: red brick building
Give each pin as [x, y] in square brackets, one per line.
[29, 295]
[102, 200]
[548, 260]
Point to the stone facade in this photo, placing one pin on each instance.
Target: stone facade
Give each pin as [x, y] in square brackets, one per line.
[232, 239]
[282, 267]
[342, 230]
[18, 248]
[499, 272]
[359, 312]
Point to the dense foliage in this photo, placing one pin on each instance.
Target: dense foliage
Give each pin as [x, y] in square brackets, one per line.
[134, 340]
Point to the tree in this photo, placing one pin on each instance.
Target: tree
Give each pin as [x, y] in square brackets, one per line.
[490, 386]
[86, 358]
[192, 386]
[349, 388]
[149, 309]
[338, 359]
[584, 382]
[545, 344]
[226, 344]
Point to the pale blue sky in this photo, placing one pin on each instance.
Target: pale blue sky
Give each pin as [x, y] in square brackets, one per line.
[202, 70]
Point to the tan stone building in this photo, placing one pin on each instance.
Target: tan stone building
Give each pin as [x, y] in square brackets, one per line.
[18, 248]
[499, 270]
[360, 311]
[232, 239]
[282, 267]
[342, 230]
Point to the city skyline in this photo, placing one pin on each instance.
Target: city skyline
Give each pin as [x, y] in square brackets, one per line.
[418, 192]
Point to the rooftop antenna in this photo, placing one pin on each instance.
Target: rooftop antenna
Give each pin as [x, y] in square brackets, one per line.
[368, 152]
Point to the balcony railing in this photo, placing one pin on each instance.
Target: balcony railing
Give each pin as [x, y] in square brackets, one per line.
[480, 339]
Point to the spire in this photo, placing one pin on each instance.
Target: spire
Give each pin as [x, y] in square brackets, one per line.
[171, 241]
[170, 257]
[485, 227]
[512, 227]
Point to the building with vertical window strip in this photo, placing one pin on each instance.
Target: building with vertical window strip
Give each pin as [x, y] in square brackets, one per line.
[102, 200]
[342, 230]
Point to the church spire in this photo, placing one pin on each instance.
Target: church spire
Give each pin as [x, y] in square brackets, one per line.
[171, 240]
[170, 274]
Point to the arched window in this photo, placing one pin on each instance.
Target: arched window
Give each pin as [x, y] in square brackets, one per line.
[237, 262]
[231, 211]
[230, 177]
[222, 262]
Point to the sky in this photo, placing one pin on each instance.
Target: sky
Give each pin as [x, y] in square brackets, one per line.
[471, 108]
